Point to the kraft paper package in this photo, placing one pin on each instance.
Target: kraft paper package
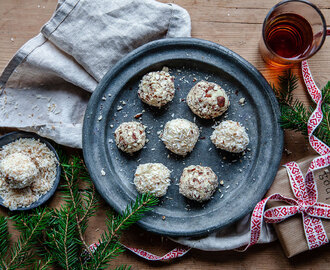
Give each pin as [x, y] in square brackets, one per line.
[291, 231]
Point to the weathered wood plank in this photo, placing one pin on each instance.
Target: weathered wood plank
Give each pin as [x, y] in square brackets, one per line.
[240, 31]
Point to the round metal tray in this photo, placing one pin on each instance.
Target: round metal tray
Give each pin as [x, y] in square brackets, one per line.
[246, 177]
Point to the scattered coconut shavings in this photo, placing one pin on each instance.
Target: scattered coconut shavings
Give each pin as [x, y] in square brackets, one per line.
[180, 136]
[242, 101]
[230, 136]
[287, 151]
[153, 178]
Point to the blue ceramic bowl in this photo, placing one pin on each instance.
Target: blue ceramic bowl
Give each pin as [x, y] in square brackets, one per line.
[13, 136]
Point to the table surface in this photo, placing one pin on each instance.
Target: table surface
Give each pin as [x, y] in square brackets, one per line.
[234, 24]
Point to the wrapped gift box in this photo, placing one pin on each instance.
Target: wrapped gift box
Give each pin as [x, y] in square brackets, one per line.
[290, 231]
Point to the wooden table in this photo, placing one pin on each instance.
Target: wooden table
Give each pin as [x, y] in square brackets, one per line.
[235, 24]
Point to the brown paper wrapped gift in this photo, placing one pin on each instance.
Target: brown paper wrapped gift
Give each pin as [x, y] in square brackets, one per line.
[290, 231]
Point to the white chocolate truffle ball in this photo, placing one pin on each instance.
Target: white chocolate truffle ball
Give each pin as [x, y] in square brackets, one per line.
[130, 137]
[198, 183]
[18, 170]
[230, 136]
[207, 100]
[153, 178]
[180, 136]
[156, 88]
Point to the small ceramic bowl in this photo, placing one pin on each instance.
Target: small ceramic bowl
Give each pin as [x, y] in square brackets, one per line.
[13, 136]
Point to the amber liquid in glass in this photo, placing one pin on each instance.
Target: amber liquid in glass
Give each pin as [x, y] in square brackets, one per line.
[289, 35]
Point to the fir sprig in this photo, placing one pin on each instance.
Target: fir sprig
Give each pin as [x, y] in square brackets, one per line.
[294, 114]
[63, 238]
[4, 241]
[31, 228]
[110, 247]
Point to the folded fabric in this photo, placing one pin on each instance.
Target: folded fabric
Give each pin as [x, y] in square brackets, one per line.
[234, 236]
[47, 84]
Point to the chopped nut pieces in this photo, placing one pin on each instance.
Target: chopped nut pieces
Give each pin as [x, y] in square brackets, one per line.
[156, 88]
[207, 100]
[130, 137]
[137, 116]
[198, 183]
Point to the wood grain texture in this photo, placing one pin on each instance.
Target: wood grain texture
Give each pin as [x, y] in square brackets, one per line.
[235, 24]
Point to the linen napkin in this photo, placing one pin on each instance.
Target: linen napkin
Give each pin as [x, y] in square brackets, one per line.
[47, 84]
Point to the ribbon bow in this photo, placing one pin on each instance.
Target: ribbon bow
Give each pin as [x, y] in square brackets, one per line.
[306, 203]
[304, 189]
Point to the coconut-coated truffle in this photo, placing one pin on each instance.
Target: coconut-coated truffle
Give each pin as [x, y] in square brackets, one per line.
[198, 183]
[130, 137]
[230, 136]
[153, 178]
[207, 100]
[156, 88]
[180, 136]
[18, 170]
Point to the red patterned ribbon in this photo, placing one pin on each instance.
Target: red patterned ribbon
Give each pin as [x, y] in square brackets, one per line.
[175, 253]
[304, 188]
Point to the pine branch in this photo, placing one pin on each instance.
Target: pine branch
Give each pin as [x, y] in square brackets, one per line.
[90, 198]
[63, 239]
[294, 114]
[109, 247]
[132, 213]
[4, 241]
[20, 253]
[287, 83]
[44, 264]
[71, 174]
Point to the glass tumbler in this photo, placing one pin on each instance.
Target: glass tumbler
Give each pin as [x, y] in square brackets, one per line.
[293, 30]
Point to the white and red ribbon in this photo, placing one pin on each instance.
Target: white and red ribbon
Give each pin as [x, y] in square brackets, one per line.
[304, 188]
[174, 253]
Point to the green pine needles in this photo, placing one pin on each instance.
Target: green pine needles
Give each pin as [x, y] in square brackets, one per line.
[55, 237]
[294, 115]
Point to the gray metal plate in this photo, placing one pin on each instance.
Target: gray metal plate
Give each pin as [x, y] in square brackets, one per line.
[13, 136]
[246, 177]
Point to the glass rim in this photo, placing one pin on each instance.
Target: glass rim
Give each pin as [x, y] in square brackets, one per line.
[304, 2]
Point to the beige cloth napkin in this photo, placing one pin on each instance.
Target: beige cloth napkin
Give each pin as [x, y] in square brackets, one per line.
[48, 82]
